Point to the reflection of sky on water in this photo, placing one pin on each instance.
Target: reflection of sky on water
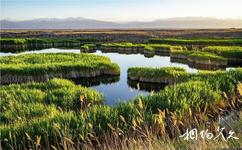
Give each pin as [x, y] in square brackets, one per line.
[119, 91]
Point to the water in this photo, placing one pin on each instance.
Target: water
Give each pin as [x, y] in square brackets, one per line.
[116, 89]
[121, 90]
[49, 50]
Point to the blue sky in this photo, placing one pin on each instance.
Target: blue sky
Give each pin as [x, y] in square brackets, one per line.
[120, 10]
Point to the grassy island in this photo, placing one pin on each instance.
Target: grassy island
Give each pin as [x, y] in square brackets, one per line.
[232, 53]
[201, 42]
[139, 48]
[199, 58]
[158, 75]
[88, 48]
[41, 67]
[21, 44]
[177, 75]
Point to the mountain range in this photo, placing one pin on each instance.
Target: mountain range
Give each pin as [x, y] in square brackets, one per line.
[84, 23]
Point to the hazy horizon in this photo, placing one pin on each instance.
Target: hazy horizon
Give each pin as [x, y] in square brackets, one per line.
[76, 18]
[120, 10]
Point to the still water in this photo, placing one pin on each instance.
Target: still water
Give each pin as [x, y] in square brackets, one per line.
[116, 89]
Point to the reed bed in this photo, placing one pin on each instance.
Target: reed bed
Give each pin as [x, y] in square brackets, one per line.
[231, 52]
[88, 47]
[12, 41]
[224, 80]
[202, 58]
[139, 48]
[162, 116]
[207, 59]
[158, 75]
[41, 67]
[60, 92]
[205, 42]
[20, 44]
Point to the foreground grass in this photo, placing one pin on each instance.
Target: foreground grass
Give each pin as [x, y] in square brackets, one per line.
[67, 65]
[162, 116]
[34, 98]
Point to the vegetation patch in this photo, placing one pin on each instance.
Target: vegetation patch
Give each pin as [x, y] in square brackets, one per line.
[21, 44]
[41, 67]
[167, 113]
[59, 92]
[88, 47]
[139, 48]
[201, 58]
[207, 59]
[157, 75]
[233, 53]
[205, 42]
[224, 80]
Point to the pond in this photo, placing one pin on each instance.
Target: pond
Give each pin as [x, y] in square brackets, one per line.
[116, 89]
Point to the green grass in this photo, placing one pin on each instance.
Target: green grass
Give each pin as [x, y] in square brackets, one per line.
[180, 98]
[199, 94]
[148, 47]
[225, 51]
[174, 41]
[88, 47]
[29, 98]
[147, 72]
[205, 56]
[200, 57]
[13, 41]
[42, 64]
[222, 80]
[184, 52]
[20, 44]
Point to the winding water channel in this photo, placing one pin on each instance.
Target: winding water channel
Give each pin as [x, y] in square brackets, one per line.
[116, 89]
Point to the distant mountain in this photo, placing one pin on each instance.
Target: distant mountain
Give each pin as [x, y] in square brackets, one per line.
[83, 23]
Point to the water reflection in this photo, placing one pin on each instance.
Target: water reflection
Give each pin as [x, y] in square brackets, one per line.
[95, 81]
[124, 90]
[119, 88]
[49, 50]
[145, 86]
[198, 66]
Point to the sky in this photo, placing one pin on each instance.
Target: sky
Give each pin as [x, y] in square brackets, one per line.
[120, 10]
